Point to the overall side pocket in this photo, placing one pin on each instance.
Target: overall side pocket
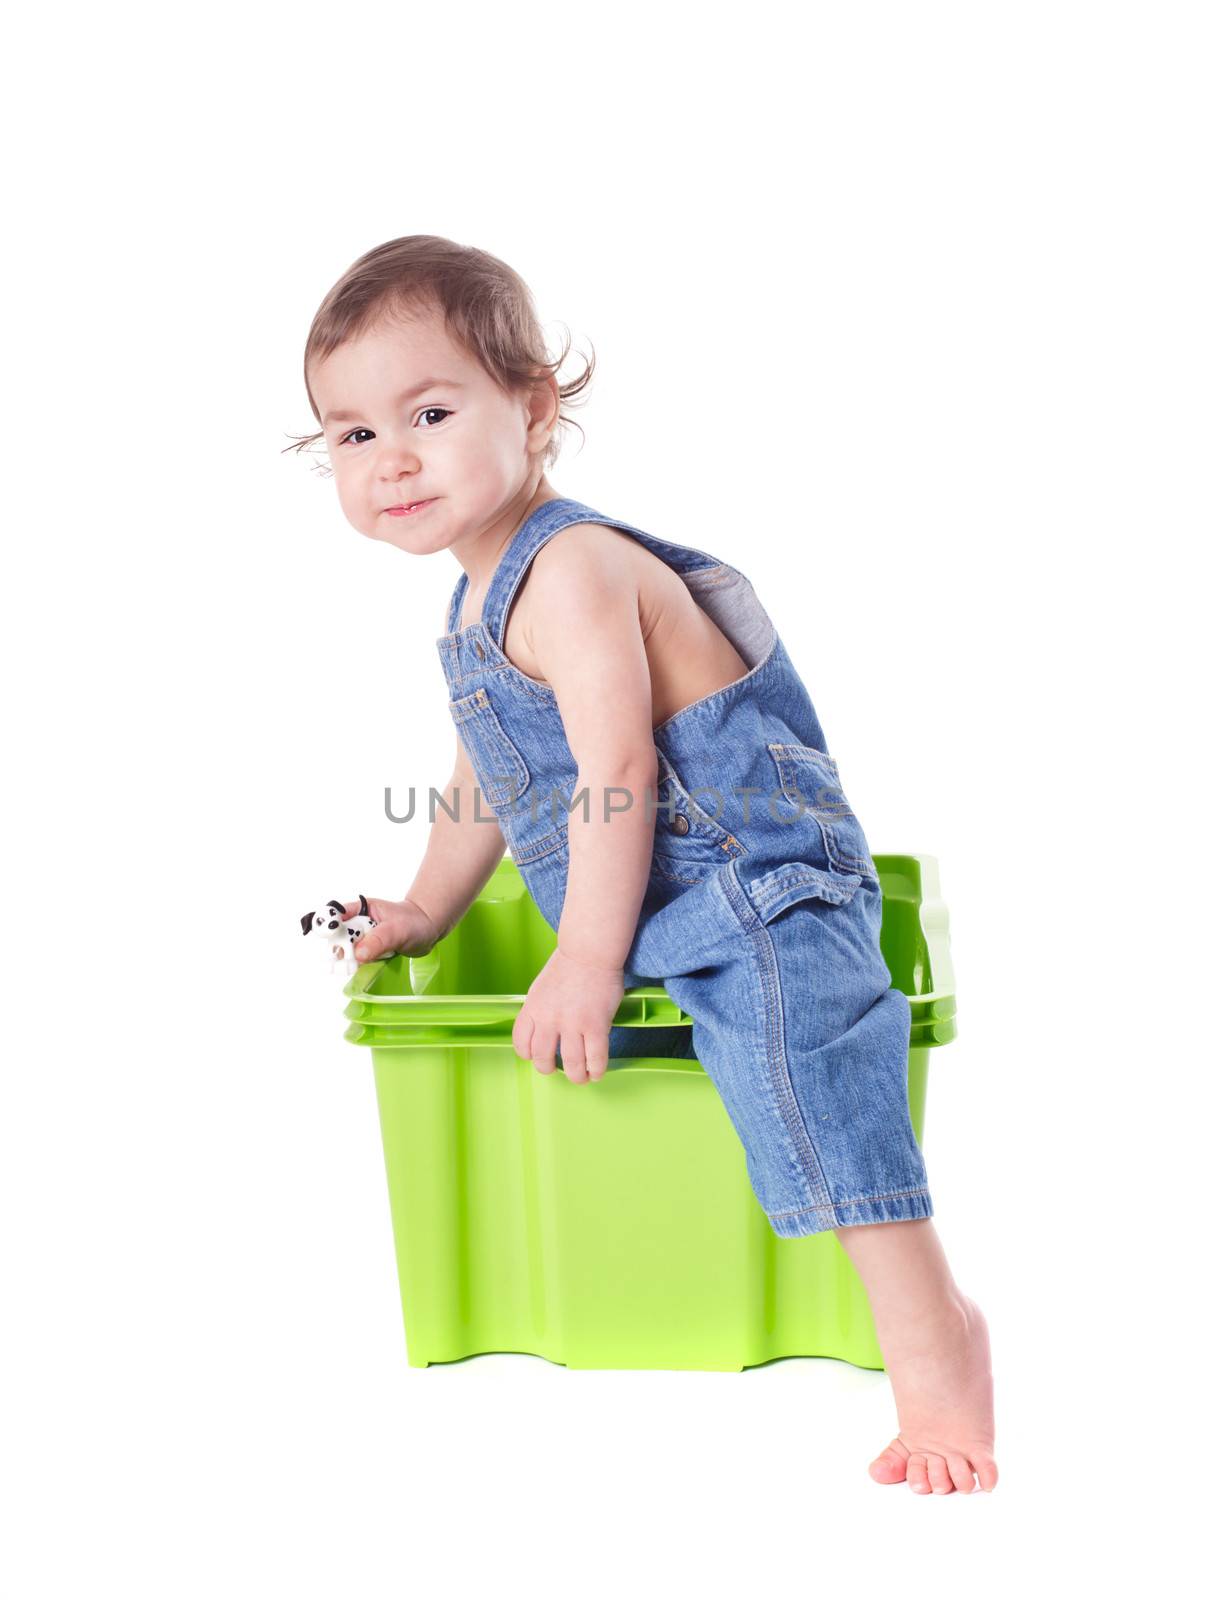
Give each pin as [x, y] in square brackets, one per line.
[689, 844]
[809, 780]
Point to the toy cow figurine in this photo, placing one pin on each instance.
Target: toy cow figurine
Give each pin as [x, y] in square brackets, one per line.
[340, 935]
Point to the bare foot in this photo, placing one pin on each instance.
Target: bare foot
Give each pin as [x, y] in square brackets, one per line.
[941, 1372]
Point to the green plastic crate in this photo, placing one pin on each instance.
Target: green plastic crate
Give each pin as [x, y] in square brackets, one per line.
[608, 1224]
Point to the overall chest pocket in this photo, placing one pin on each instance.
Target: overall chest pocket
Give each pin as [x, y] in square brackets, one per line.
[809, 780]
[501, 772]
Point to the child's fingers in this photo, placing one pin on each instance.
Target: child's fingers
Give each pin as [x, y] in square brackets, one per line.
[572, 1053]
[544, 1046]
[523, 1028]
[597, 1053]
[377, 942]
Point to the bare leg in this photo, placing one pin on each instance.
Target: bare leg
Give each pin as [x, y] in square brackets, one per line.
[934, 1341]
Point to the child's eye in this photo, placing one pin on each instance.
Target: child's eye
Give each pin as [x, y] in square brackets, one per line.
[348, 436]
[435, 411]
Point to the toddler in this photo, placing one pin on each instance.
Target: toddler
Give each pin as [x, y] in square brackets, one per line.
[630, 726]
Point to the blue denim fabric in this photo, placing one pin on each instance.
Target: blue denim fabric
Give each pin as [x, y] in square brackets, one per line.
[762, 912]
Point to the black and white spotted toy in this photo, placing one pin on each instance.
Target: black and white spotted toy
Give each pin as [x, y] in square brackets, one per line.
[341, 935]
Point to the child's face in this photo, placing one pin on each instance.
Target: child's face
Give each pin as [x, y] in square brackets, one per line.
[459, 442]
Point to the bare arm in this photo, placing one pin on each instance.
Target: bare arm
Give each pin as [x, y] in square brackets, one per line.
[586, 635]
[459, 858]
[461, 854]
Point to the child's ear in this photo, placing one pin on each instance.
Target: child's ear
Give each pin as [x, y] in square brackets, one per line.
[306, 921]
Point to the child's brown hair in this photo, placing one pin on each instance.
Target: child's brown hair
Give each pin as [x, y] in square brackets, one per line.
[486, 306]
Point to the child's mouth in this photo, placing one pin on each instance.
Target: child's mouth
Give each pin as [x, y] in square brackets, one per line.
[410, 509]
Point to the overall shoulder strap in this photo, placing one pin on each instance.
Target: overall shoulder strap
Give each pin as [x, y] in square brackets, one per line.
[543, 523]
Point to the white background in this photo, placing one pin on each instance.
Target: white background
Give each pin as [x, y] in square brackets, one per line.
[909, 311]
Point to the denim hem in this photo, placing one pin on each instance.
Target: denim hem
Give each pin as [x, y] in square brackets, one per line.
[906, 1205]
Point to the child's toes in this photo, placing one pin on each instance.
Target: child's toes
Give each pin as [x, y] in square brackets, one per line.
[986, 1468]
[890, 1466]
[960, 1471]
[939, 1476]
[917, 1474]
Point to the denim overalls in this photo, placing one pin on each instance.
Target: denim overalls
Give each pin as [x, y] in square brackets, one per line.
[763, 909]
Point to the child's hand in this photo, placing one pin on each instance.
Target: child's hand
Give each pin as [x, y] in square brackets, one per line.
[402, 926]
[569, 1006]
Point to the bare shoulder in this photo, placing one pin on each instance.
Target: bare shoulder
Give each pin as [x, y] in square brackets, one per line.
[603, 567]
[582, 583]
[586, 547]
[578, 570]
